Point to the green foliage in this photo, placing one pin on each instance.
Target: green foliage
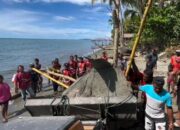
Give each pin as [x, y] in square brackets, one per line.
[131, 24]
[162, 26]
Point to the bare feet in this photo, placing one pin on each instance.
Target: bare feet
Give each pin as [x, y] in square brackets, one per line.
[5, 120]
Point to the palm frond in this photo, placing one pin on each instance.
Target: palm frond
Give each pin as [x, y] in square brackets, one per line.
[129, 13]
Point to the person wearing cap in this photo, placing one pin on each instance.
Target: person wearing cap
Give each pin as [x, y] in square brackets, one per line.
[156, 100]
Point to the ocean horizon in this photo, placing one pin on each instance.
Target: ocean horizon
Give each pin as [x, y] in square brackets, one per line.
[22, 51]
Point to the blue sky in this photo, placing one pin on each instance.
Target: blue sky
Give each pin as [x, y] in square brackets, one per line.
[53, 19]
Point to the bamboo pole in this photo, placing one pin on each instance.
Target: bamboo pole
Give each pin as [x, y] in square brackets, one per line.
[47, 76]
[136, 42]
[61, 75]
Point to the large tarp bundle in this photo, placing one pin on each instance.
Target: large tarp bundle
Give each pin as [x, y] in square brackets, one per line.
[102, 81]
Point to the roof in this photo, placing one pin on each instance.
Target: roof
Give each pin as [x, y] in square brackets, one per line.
[128, 35]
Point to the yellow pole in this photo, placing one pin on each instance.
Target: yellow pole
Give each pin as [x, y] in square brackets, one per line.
[47, 76]
[136, 42]
[61, 75]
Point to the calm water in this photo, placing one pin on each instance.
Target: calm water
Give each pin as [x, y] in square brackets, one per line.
[23, 51]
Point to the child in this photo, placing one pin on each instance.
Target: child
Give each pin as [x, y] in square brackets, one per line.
[5, 96]
[171, 79]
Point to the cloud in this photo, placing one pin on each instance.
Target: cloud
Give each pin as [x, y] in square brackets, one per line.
[14, 17]
[61, 18]
[79, 2]
[29, 23]
[109, 14]
[94, 9]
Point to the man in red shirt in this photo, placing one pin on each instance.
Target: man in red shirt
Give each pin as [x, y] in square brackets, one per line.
[88, 64]
[67, 72]
[72, 63]
[73, 66]
[23, 82]
[175, 62]
[81, 67]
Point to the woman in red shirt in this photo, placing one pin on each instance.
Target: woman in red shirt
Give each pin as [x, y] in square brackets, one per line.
[5, 96]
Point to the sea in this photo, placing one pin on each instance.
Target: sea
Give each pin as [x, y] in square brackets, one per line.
[14, 52]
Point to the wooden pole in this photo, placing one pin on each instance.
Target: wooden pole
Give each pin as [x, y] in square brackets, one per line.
[61, 75]
[47, 76]
[136, 42]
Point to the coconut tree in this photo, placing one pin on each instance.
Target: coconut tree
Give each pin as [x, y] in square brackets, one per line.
[117, 21]
[134, 7]
[115, 4]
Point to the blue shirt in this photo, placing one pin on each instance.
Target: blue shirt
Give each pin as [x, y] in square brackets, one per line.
[156, 102]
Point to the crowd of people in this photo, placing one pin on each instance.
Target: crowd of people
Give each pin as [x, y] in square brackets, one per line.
[154, 95]
[155, 98]
[76, 67]
[30, 82]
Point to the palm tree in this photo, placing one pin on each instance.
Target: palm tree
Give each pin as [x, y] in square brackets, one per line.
[117, 20]
[135, 8]
[115, 4]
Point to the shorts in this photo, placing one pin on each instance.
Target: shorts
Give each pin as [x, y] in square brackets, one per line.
[151, 125]
[170, 82]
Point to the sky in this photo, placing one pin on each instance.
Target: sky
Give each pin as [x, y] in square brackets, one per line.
[54, 19]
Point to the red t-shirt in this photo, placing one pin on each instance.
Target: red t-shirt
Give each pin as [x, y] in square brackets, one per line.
[5, 94]
[73, 64]
[175, 62]
[82, 67]
[23, 79]
[88, 64]
[66, 73]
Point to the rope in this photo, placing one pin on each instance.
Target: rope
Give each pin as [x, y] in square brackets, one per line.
[65, 104]
[121, 103]
[83, 108]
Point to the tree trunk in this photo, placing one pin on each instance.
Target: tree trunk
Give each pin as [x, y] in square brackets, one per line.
[121, 29]
[116, 32]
